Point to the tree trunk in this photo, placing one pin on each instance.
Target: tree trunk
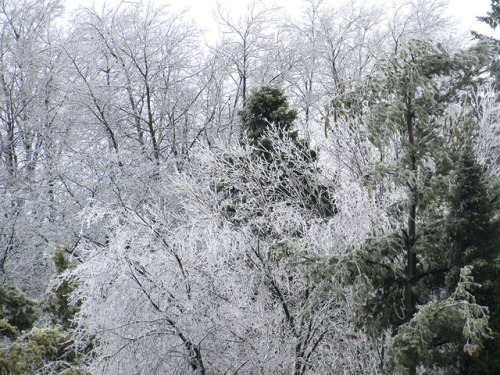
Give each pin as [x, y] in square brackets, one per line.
[410, 300]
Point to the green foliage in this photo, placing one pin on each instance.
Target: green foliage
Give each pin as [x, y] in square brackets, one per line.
[58, 304]
[473, 233]
[405, 106]
[473, 238]
[415, 88]
[16, 310]
[6, 329]
[265, 107]
[493, 16]
[267, 127]
[32, 349]
[457, 322]
[39, 349]
[492, 19]
[404, 110]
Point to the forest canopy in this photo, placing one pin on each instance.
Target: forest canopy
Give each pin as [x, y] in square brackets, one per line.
[309, 195]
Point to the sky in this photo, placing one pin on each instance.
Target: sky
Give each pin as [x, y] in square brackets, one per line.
[465, 11]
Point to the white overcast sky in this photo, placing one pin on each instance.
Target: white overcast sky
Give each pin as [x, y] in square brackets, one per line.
[465, 11]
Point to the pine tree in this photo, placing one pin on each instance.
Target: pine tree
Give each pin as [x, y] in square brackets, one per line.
[404, 110]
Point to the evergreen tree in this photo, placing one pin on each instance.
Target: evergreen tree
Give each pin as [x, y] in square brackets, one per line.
[404, 109]
[492, 19]
[32, 349]
[267, 111]
[473, 238]
[17, 312]
[266, 108]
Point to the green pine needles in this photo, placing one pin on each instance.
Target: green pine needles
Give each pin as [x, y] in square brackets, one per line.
[405, 109]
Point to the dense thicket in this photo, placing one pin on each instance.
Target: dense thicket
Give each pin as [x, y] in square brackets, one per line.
[300, 196]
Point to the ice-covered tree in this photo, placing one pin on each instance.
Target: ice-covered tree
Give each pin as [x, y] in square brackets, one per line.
[182, 285]
[407, 110]
[473, 239]
[31, 138]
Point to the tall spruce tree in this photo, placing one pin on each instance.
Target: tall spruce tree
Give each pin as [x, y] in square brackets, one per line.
[473, 238]
[405, 111]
